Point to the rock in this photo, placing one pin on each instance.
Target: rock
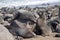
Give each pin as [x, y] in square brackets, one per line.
[8, 17]
[24, 14]
[21, 29]
[6, 24]
[5, 34]
[1, 20]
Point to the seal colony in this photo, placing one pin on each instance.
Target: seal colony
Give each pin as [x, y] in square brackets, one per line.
[29, 22]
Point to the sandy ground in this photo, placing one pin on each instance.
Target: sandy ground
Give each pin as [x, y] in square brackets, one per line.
[44, 38]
